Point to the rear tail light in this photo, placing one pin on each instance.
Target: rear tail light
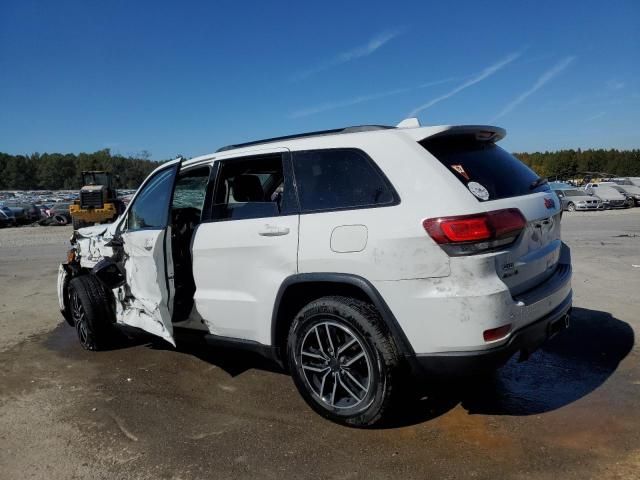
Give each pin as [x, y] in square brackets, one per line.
[469, 234]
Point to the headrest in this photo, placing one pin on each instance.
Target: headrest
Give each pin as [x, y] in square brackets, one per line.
[247, 188]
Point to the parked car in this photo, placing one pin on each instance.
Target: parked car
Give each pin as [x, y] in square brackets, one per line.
[61, 208]
[632, 193]
[43, 211]
[396, 250]
[20, 214]
[9, 214]
[30, 211]
[7, 220]
[609, 195]
[574, 199]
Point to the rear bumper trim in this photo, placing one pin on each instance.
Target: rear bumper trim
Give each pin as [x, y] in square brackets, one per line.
[525, 340]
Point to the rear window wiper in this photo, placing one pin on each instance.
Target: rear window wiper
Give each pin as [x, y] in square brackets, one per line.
[537, 182]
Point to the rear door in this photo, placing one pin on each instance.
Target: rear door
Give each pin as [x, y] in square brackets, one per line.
[147, 259]
[247, 247]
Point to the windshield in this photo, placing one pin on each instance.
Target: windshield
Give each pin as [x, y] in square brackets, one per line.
[91, 178]
[576, 193]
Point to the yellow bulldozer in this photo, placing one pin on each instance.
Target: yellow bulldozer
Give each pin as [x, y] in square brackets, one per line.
[98, 202]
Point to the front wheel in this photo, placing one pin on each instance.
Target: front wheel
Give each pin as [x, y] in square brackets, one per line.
[91, 312]
[571, 207]
[343, 360]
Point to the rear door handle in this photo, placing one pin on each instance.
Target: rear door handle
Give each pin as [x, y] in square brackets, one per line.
[273, 231]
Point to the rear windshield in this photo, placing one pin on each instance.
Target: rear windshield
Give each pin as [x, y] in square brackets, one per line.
[488, 171]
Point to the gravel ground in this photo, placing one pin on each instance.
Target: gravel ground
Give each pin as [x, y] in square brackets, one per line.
[149, 411]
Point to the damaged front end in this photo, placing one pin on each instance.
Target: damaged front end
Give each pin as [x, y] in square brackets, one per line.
[88, 249]
[130, 276]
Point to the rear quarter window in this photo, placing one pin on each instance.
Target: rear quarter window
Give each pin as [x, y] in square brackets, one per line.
[337, 179]
[488, 171]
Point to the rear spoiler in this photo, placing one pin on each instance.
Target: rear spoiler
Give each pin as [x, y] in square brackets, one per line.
[485, 133]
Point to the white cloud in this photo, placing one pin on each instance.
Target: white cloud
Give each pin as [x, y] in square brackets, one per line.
[615, 84]
[595, 116]
[542, 80]
[487, 72]
[358, 52]
[305, 112]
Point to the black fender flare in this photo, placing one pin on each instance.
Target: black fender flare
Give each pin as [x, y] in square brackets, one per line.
[352, 280]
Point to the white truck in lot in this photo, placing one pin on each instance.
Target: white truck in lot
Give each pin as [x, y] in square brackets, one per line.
[352, 257]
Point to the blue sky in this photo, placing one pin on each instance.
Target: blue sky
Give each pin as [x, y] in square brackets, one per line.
[187, 77]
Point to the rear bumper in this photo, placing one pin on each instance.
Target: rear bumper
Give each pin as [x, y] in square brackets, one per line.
[451, 314]
[526, 340]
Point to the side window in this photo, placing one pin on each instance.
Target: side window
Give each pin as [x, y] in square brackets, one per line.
[339, 179]
[190, 189]
[151, 207]
[250, 188]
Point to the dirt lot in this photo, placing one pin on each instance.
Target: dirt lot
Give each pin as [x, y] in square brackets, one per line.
[148, 411]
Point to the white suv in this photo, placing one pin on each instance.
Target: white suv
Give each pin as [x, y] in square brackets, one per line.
[352, 257]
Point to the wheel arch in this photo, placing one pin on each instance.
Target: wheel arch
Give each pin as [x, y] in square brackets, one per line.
[298, 290]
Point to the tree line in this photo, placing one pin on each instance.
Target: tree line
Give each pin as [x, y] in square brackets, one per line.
[567, 164]
[56, 171]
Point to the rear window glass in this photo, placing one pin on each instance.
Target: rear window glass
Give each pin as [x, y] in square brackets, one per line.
[339, 179]
[488, 171]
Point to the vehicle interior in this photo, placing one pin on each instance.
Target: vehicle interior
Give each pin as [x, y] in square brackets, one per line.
[186, 214]
[249, 188]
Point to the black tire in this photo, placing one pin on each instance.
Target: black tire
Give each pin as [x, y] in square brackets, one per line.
[92, 313]
[356, 393]
[60, 220]
[571, 207]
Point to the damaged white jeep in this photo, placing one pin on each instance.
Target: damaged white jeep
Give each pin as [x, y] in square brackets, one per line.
[352, 257]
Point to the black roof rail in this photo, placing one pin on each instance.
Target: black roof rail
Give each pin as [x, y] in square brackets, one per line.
[354, 129]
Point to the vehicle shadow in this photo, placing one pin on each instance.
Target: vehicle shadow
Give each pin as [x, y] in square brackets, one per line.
[565, 369]
[233, 361]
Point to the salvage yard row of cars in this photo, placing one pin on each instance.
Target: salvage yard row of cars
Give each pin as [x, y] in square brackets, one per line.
[615, 193]
[37, 207]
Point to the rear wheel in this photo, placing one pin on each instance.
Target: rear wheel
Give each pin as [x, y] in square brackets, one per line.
[343, 360]
[91, 312]
[571, 207]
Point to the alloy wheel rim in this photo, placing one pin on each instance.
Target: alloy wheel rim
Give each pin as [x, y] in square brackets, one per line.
[77, 312]
[336, 365]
